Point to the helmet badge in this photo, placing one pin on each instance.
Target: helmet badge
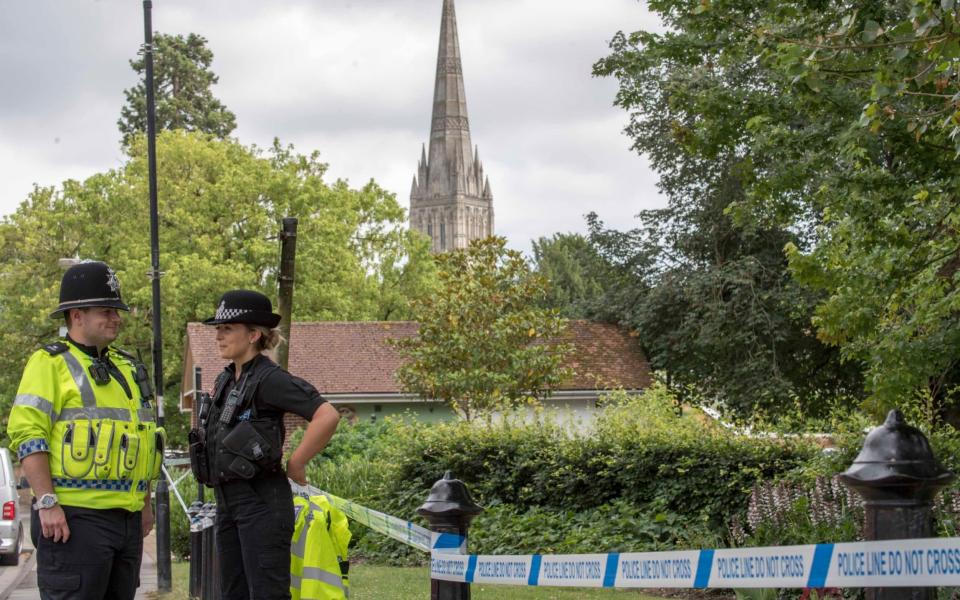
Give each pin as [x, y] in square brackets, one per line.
[112, 282]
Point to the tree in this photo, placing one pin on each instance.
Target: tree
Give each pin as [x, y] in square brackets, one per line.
[220, 205]
[182, 82]
[483, 342]
[846, 127]
[576, 272]
[890, 250]
[711, 295]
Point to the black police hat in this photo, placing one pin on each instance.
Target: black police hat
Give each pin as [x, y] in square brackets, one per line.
[244, 306]
[87, 284]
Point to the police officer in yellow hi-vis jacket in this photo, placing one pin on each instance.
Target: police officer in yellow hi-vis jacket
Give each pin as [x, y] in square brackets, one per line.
[83, 426]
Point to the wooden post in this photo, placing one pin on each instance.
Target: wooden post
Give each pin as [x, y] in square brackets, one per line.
[288, 256]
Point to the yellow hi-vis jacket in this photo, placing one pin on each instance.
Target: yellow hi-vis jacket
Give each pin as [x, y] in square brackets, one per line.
[101, 440]
[319, 547]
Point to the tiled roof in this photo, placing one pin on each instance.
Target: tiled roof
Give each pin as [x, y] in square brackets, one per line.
[355, 357]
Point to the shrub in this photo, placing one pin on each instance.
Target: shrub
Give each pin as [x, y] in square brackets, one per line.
[638, 477]
[616, 527]
[637, 451]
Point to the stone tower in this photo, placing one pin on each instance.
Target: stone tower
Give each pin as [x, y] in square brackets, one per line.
[450, 200]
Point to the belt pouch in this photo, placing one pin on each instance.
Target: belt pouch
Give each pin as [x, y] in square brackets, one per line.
[159, 444]
[198, 456]
[247, 442]
[129, 452]
[101, 461]
[240, 467]
[78, 449]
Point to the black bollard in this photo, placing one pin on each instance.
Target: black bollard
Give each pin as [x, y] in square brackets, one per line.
[449, 509]
[208, 575]
[196, 548]
[215, 592]
[898, 477]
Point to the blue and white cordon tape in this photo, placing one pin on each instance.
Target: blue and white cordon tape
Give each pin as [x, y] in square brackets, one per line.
[901, 563]
[933, 562]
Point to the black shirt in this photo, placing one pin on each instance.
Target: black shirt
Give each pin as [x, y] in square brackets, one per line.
[279, 392]
[88, 350]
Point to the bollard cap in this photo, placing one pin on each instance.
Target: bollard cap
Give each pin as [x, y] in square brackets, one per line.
[896, 455]
[449, 497]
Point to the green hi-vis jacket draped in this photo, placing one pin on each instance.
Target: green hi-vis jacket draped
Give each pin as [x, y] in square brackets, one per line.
[318, 551]
[102, 440]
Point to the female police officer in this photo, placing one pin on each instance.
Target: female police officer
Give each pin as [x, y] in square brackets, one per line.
[239, 448]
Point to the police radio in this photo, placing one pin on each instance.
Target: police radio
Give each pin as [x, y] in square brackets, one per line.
[142, 377]
[204, 401]
[230, 406]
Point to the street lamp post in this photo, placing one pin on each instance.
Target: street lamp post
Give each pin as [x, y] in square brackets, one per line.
[164, 574]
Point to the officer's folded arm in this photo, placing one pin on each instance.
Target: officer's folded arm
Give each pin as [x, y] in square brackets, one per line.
[53, 522]
[321, 428]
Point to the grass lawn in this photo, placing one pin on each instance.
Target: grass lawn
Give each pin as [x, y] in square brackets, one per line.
[371, 582]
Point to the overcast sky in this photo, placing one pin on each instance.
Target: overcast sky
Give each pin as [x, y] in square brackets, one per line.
[352, 79]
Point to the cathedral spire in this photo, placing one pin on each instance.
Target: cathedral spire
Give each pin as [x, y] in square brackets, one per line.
[449, 185]
[449, 126]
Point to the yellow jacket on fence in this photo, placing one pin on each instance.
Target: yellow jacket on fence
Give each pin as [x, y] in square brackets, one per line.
[318, 561]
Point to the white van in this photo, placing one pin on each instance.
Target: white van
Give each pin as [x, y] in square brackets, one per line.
[11, 529]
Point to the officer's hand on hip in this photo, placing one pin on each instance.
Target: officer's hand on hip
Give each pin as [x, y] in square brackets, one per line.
[53, 523]
[297, 471]
[146, 519]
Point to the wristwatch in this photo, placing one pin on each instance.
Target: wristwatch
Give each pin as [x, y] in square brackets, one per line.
[47, 501]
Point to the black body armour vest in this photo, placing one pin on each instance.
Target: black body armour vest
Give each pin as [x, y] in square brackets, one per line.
[235, 441]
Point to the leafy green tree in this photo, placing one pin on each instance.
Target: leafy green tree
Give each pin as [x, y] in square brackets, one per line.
[576, 272]
[844, 121]
[711, 297]
[182, 82]
[889, 252]
[483, 343]
[220, 208]
[731, 329]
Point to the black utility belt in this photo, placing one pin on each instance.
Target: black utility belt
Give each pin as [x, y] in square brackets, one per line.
[244, 451]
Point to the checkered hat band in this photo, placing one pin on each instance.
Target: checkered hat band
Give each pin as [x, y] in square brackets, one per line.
[230, 313]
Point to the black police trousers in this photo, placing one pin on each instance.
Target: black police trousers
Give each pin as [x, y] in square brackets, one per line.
[253, 531]
[100, 561]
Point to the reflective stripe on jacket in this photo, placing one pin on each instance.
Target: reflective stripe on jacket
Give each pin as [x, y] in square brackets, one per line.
[320, 539]
[101, 439]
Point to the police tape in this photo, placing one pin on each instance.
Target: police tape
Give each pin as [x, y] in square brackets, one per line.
[403, 531]
[931, 562]
[898, 563]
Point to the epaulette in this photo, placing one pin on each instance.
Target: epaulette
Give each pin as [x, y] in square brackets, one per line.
[56, 348]
[125, 354]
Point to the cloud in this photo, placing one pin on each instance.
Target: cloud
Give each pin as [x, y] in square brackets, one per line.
[353, 79]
